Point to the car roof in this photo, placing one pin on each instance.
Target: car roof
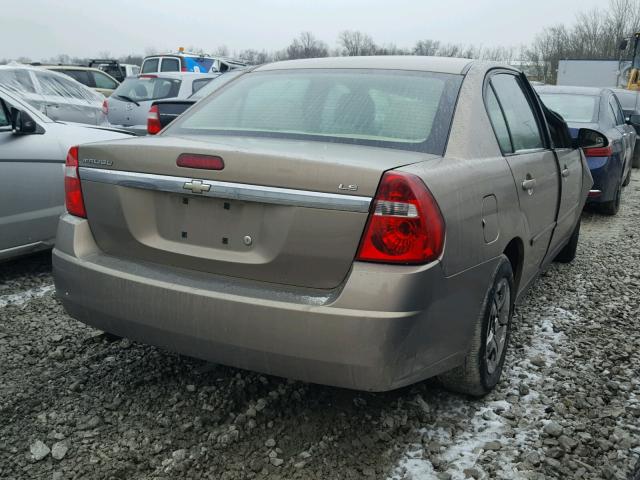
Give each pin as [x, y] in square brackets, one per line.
[70, 67]
[594, 91]
[180, 75]
[391, 62]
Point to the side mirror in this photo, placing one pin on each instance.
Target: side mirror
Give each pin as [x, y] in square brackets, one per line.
[588, 138]
[634, 119]
[22, 123]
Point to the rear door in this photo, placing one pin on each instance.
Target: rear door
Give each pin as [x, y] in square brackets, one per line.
[170, 64]
[532, 163]
[618, 137]
[571, 164]
[628, 132]
[150, 65]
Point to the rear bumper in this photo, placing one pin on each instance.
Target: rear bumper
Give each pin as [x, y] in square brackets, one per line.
[385, 327]
[606, 175]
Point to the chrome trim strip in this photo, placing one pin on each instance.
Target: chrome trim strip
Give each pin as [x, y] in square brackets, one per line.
[228, 190]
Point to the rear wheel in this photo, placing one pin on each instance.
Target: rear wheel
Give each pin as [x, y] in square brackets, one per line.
[636, 158]
[568, 253]
[482, 366]
[612, 207]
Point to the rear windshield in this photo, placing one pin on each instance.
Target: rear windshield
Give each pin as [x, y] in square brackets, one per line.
[573, 108]
[150, 65]
[388, 108]
[148, 88]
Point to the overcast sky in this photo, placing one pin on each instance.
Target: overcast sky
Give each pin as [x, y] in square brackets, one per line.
[44, 28]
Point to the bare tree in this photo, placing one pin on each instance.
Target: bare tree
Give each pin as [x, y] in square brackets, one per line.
[356, 43]
[221, 51]
[306, 45]
[254, 57]
[426, 47]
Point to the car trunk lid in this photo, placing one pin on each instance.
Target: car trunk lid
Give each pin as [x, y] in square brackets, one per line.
[282, 211]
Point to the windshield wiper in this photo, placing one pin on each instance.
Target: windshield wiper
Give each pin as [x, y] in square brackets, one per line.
[127, 99]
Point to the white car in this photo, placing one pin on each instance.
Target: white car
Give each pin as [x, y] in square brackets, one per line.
[57, 96]
[128, 106]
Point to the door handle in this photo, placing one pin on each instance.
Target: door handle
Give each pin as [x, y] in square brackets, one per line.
[528, 184]
[565, 172]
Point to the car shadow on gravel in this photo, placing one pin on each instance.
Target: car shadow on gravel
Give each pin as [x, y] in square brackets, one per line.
[33, 264]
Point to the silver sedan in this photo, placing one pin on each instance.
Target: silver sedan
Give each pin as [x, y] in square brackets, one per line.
[33, 149]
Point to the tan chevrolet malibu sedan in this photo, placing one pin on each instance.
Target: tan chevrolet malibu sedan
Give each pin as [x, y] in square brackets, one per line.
[359, 222]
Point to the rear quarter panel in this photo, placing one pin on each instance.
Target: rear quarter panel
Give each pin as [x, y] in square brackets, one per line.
[472, 170]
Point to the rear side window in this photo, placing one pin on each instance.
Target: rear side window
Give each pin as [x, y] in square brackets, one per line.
[499, 123]
[386, 108]
[198, 84]
[521, 120]
[170, 65]
[148, 88]
[17, 79]
[150, 65]
[61, 86]
[611, 116]
[102, 81]
[617, 111]
[81, 76]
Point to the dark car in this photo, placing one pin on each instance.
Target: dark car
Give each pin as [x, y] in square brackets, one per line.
[630, 102]
[600, 110]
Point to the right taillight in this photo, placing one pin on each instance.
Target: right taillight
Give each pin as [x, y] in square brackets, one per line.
[405, 225]
[105, 108]
[153, 120]
[599, 151]
[72, 189]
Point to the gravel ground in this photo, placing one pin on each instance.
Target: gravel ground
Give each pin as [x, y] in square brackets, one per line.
[76, 403]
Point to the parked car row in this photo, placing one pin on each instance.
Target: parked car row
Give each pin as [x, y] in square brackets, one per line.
[333, 220]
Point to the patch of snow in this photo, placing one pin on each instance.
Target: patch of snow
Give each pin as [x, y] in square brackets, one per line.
[23, 297]
[462, 450]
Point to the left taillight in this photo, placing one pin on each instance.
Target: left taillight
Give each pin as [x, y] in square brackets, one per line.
[405, 225]
[72, 189]
[598, 151]
[105, 108]
[153, 120]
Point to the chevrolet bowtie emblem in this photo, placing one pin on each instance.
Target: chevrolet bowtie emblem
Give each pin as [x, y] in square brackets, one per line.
[197, 186]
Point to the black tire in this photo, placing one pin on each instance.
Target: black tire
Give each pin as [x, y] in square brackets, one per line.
[627, 179]
[636, 157]
[475, 377]
[568, 253]
[611, 208]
